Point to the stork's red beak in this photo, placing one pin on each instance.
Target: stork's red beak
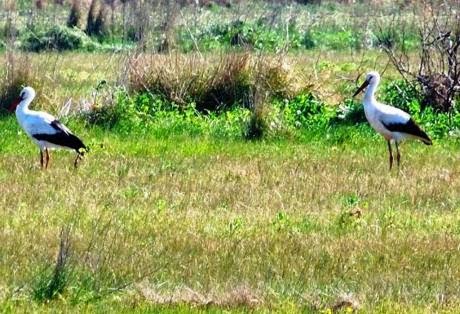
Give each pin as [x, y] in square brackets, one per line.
[366, 82]
[14, 104]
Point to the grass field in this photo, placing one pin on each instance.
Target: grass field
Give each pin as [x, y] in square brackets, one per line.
[230, 169]
[173, 221]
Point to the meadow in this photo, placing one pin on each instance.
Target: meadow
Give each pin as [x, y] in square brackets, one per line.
[225, 179]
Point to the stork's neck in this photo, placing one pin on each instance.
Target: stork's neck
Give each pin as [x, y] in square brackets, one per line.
[23, 108]
[369, 95]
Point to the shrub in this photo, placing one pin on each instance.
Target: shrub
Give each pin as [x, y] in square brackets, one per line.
[307, 111]
[438, 124]
[144, 112]
[403, 95]
[122, 111]
[57, 38]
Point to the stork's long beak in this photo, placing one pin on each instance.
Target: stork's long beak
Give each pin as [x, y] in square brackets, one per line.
[363, 86]
[14, 104]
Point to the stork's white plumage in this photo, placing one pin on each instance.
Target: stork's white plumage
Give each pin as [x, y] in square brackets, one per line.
[44, 129]
[392, 123]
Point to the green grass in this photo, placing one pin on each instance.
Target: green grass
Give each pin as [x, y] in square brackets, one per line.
[174, 222]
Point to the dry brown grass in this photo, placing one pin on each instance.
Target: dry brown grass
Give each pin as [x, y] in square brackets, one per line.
[238, 297]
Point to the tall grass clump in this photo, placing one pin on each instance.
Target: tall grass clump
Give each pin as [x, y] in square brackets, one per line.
[211, 83]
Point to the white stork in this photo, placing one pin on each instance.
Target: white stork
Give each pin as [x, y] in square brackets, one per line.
[392, 123]
[44, 129]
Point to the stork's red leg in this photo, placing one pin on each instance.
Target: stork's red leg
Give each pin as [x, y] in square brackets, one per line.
[398, 155]
[47, 158]
[391, 154]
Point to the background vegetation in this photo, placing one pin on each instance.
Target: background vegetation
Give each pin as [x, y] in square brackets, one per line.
[230, 169]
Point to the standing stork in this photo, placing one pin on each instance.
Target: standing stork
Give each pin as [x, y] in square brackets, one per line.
[392, 123]
[44, 129]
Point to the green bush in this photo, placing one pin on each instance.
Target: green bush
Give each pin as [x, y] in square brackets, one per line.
[57, 38]
[438, 124]
[306, 111]
[126, 112]
[145, 112]
[403, 95]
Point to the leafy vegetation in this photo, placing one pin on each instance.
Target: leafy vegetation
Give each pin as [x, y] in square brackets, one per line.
[149, 112]
[57, 38]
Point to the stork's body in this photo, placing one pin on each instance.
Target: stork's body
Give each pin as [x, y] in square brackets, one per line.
[392, 123]
[44, 129]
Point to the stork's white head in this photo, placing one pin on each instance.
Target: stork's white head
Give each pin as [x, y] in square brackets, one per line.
[372, 79]
[25, 97]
